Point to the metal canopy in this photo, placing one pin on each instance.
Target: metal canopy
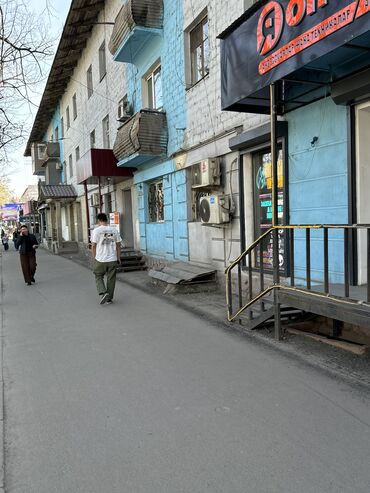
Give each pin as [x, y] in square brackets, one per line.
[301, 75]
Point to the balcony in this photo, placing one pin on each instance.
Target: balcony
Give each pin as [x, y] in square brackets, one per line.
[143, 137]
[100, 163]
[51, 151]
[137, 23]
[37, 156]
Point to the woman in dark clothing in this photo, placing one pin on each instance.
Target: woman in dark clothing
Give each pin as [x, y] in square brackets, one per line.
[27, 244]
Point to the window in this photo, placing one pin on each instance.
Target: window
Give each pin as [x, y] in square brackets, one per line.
[199, 51]
[153, 82]
[68, 118]
[102, 61]
[77, 151]
[105, 122]
[156, 202]
[56, 134]
[108, 203]
[89, 82]
[51, 137]
[74, 106]
[70, 165]
[92, 139]
[62, 126]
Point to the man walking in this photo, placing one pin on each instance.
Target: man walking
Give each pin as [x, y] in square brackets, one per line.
[27, 244]
[106, 250]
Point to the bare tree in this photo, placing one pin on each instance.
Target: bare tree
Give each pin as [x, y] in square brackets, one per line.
[25, 46]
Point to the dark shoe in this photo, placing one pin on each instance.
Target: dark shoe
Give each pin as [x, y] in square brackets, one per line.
[104, 298]
[109, 302]
[33, 279]
[29, 284]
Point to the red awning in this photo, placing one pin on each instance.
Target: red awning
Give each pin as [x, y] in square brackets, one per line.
[100, 163]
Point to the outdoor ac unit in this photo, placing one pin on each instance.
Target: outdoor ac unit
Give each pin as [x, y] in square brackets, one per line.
[124, 110]
[206, 173]
[95, 200]
[214, 209]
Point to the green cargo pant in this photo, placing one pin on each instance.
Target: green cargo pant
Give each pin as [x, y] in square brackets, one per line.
[108, 269]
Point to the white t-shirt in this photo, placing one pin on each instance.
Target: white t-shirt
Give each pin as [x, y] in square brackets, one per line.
[106, 239]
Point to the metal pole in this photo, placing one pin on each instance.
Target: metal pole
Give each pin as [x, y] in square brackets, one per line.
[87, 212]
[274, 203]
[100, 196]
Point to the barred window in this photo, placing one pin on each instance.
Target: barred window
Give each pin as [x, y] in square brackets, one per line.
[156, 202]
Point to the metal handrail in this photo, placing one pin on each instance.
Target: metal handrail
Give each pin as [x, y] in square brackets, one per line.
[276, 285]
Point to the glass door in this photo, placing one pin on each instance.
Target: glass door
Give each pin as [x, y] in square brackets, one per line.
[262, 192]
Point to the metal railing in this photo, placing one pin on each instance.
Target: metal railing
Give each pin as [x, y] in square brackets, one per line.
[321, 286]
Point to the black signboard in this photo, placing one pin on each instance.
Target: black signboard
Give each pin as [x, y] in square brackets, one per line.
[276, 38]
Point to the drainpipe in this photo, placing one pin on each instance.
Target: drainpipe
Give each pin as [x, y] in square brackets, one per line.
[100, 196]
[87, 212]
[274, 203]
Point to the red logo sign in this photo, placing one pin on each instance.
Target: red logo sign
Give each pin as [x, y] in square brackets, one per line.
[273, 17]
[270, 27]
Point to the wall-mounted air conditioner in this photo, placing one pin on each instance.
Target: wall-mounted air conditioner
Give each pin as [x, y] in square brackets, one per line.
[214, 209]
[206, 173]
[94, 200]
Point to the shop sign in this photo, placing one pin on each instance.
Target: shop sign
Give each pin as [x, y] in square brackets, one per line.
[282, 36]
[114, 220]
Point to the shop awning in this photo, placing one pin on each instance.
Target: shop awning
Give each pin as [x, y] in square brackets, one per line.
[305, 46]
[100, 163]
[57, 192]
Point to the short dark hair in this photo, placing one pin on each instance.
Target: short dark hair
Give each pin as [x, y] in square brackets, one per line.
[102, 217]
[24, 226]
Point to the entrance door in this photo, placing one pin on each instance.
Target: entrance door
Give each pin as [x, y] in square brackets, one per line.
[262, 192]
[362, 122]
[127, 230]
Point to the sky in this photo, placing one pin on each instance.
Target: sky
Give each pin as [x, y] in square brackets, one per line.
[20, 174]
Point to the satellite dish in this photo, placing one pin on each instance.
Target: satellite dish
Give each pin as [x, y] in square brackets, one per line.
[204, 210]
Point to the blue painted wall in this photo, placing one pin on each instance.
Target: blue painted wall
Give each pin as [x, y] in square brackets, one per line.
[318, 182]
[168, 239]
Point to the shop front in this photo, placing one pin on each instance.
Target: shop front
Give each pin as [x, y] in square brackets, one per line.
[307, 64]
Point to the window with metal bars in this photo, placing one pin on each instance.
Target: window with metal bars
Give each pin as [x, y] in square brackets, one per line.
[156, 202]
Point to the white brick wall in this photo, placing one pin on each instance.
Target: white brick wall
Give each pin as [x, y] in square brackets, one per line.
[104, 99]
[205, 118]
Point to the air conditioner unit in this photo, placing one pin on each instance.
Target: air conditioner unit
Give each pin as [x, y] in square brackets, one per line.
[206, 173]
[214, 209]
[95, 200]
[124, 110]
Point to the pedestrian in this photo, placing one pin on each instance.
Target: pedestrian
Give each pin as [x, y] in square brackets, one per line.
[5, 241]
[27, 244]
[106, 252]
[15, 237]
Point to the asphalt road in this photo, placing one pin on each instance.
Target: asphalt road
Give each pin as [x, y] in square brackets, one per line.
[143, 397]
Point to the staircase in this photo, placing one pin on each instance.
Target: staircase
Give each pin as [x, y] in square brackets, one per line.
[256, 298]
[131, 260]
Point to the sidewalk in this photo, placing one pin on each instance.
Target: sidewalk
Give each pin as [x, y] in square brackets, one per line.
[211, 306]
[143, 396]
